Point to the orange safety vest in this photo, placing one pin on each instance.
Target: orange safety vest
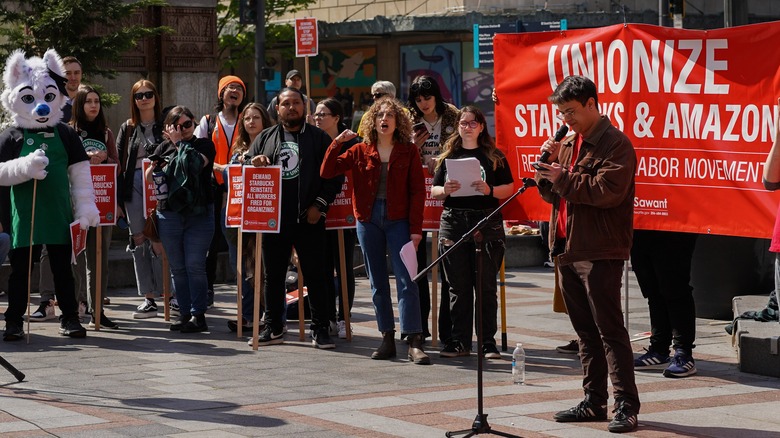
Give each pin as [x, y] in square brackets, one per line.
[221, 144]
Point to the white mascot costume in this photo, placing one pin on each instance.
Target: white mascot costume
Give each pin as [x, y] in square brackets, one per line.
[42, 161]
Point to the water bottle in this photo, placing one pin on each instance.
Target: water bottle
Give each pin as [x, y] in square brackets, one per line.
[518, 365]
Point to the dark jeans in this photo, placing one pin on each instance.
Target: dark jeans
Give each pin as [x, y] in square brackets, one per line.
[444, 321]
[309, 242]
[218, 241]
[59, 257]
[460, 269]
[662, 263]
[591, 290]
[334, 289]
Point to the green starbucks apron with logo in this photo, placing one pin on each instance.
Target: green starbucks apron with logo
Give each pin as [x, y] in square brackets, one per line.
[53, 211]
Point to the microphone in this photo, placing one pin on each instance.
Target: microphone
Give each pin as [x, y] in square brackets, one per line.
[546, 154]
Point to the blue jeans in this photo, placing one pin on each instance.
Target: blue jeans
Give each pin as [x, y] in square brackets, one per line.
[186, 240]
[376, 238]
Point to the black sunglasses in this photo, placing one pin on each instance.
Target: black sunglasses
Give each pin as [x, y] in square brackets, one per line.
[424, 84]
[145, 94]
[185, 125]
[378, 95]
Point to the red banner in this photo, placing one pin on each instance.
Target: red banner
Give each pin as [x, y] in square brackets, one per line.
[262, 204]
[700, 108]
[433, 206]
[150, 199]
[104, 184]
[340, 213]
[235, 196]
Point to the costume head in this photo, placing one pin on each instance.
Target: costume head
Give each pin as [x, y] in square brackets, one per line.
[34, 89]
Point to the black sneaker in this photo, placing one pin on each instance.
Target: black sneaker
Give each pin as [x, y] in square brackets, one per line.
[13, 331]
[147, 309]
[625, 419]
[490, 351]
[196, 324]
[71, 327]
[104, 322]
[269, 337]
[179, 322]
[585, 411]
[245, 325]
[322, 339]
[454, 349]
[573, 347]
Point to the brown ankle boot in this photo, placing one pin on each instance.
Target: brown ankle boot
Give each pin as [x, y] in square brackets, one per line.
[386, 350]
[416, 353]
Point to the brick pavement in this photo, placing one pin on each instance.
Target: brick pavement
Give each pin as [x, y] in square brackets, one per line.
[144, 380]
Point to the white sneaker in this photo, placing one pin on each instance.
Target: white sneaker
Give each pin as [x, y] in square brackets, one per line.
[174, 306]
[342, 329]
[45, 312]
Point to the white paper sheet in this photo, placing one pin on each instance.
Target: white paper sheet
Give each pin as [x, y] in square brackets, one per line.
[409, 257]
[465, 171]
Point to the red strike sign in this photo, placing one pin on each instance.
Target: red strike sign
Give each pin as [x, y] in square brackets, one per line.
[306, 39]
[433, 206]
[261, 207]
[150, 199]
[340, 213]
[104, 184]
[235, 196]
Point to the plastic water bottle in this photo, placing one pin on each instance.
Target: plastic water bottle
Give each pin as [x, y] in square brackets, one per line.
[518, 365]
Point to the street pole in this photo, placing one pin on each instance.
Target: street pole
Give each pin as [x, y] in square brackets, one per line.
[260, 52]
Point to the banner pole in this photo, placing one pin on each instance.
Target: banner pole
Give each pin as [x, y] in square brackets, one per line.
[344, 291]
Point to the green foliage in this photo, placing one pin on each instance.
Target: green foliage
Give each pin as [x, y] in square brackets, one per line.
[237, 41]
[90, 30]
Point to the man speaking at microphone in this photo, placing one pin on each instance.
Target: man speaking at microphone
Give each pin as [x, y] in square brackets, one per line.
[593, 173]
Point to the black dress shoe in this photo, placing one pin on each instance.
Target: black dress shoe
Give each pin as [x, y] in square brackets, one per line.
[196, 324]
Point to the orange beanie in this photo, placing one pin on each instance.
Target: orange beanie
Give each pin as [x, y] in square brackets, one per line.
[225, 81]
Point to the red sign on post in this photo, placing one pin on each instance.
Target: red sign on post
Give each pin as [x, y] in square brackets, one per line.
[262, 204]
[104, 184]
[340, 213]
[433, 206]
[150, 199]
[306, 39]
[235, 196]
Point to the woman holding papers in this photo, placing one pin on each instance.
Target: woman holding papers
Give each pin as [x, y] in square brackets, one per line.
[388, 199]
[98, 140]
[465, 204]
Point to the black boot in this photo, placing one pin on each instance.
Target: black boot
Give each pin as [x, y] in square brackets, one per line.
[386, 349]
[196, 324]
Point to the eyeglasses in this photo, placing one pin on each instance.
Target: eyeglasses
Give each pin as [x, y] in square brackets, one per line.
[144, 95]
[321, 115]
[568, 114]
[235, 87]
[470, 124]
[185, 125]
[424, 84]
[378, 95]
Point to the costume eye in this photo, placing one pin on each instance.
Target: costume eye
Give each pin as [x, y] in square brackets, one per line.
[49, 97]
[27, 98]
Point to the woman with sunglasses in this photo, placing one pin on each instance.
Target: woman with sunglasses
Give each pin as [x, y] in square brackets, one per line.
[89, 121]
[186, 232]
[329, 117]
[460, 214]
[388, 201]
[435, 122]
[138, 136]
[252, 120]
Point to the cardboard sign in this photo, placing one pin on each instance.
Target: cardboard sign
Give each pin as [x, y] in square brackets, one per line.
[433, 207]
[235, 196]
[261, 208]
[698, 107]
[104, 184]
[150, 199]
[340, 213]
[306, 38]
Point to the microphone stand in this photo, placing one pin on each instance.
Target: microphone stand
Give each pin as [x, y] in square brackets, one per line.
[480, 424]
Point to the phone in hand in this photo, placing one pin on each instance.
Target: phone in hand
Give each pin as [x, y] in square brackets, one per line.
[419, 126]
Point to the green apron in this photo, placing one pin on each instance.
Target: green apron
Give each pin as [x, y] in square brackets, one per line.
[53, 211]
